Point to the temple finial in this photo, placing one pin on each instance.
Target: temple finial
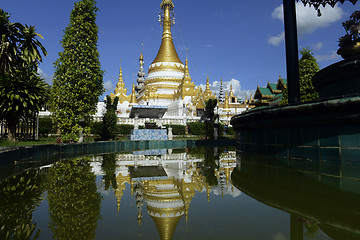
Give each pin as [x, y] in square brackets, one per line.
[167, 52]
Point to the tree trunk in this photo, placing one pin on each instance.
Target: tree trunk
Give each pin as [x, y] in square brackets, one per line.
[12, 129]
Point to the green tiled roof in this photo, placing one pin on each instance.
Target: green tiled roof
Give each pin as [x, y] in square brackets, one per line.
[284, 81]
[265, 91]
[273, 85]
[278, 98]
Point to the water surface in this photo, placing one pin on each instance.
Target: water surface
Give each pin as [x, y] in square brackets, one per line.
[187, 193]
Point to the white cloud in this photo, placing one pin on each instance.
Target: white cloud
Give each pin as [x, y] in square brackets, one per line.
[108, 85]
[307, 19]
[208, 45]
[276, 40]
[318, 46]
[228, 190]
[332, 56]
[45, 76]
[236, 86]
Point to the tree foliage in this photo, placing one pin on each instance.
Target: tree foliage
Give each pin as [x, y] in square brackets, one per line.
[78, 79]
[19, 197]
[74, 203]
[307, 69]
[351, 27]
[209, 166]
[18, 45]
[22, 91]
[196, 128]
[45, 126]
[110, 119]
[210, 106]
[108, 166]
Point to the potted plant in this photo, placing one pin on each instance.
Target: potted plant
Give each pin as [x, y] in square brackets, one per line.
[150, 125]
[350, 43]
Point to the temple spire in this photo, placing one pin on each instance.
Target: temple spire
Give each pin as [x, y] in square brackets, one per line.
[167, 6]
[221, 93]
[133, 99]
[141, 74]
[167, 51]
[120, 84]
[187, 77]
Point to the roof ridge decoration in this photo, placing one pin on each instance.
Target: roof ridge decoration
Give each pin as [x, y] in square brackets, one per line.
[317, 3]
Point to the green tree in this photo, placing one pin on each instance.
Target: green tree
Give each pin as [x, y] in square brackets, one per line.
[307, 69]
[209, 166]
[78, 79]
[22, 91]
[210, 118]
[110, 119]
[19, 197]
[74, 203]
[108, 166]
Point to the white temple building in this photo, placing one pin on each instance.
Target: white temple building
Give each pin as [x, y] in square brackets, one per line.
[168, 83]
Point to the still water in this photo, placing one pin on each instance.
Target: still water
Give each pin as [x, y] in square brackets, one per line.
[188, 193]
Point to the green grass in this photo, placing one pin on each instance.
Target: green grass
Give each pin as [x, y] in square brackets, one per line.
[40, 141]
[52, 140]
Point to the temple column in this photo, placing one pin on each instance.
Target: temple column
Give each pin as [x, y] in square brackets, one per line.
[160, 121]
[136, 123]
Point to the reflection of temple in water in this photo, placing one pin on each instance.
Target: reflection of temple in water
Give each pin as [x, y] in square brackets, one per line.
[166, 182]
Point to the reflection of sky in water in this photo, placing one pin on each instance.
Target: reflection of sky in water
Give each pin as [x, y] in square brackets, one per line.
[222, 212]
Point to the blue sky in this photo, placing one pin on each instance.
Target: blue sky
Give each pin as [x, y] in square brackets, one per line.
[238, 41]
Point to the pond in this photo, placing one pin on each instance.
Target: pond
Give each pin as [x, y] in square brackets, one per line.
[189, 192]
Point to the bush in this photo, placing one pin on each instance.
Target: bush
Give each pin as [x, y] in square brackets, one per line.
[196, 128]
[177, 129]
[221, 130]
[124, 128]
[96, 128]
[230, 131]
[46, 126]
[110, 119]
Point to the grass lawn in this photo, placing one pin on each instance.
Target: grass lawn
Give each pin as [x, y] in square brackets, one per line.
[51, 140]
[41, 140]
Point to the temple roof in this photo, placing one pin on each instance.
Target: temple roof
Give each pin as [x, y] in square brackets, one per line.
[263, 93]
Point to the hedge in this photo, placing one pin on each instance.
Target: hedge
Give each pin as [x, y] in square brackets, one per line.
[46, 126]
[177, 129]
[124, 128]
[196, 128]
[97, 128]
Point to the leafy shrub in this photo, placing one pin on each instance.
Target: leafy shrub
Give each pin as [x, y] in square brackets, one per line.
[124, 128]
[96, 128]
[177, 129]
[196, 128]
[221, 130]
[230, 131]
[46, 126]
[109, 119]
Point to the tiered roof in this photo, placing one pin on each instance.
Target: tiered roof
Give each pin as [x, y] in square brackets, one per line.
[271, 94]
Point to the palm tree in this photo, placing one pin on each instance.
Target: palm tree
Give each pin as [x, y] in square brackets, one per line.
[22, 91]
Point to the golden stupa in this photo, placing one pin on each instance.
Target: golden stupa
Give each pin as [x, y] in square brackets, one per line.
[166, 71]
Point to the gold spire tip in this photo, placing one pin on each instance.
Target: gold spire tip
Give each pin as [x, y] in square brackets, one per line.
[165, 3]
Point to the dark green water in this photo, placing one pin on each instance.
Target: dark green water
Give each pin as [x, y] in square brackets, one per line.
[187, 193]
